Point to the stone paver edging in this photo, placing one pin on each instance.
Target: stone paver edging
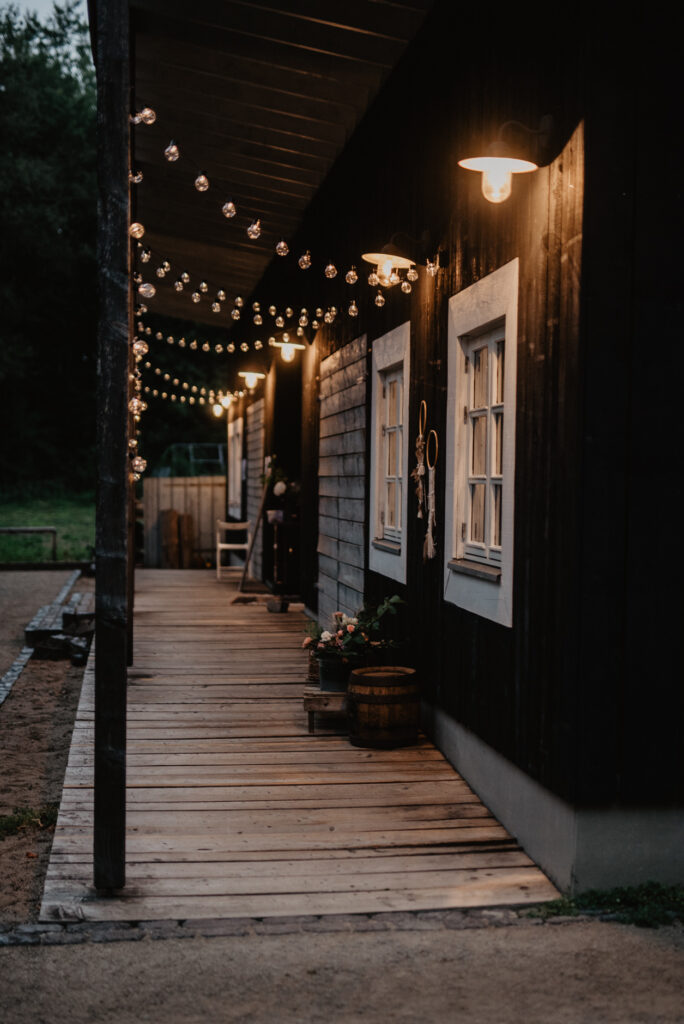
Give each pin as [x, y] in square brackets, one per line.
[57, 934]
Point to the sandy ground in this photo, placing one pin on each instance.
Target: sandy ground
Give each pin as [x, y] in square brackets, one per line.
[594, 973]
[36, 721]
[588, 972]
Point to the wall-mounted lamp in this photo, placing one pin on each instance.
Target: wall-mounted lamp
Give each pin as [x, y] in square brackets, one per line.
[499, 163]
[287, 347]
[251, 378]
[388, 262]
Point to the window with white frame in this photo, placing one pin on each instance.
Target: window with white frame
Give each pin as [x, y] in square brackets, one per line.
[235, 467]
[389, 453]
[480, 458]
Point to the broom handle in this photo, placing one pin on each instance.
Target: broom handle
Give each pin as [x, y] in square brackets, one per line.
[252, 539]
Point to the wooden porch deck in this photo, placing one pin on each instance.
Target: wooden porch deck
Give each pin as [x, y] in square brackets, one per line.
[234, 810]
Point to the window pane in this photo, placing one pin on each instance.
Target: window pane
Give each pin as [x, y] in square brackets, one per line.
[390, 513]
[398, 517]
[391, 403]
[496, 515]
[477, 509]
[498, 443]
[479, 463]
[391, 452]
[499, 390]
[399, 400]
[480, 378]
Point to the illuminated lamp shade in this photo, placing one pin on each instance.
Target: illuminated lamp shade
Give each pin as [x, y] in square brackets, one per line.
[387, 262]
[288, 349]
[251, 378]
[497, 169]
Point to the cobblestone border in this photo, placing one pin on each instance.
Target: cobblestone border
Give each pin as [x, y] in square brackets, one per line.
[58, 934]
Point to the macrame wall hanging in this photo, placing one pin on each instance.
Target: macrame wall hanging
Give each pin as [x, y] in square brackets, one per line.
[418, 474]
[429, 550]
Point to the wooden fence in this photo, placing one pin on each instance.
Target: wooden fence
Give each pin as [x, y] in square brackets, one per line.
[202, 497]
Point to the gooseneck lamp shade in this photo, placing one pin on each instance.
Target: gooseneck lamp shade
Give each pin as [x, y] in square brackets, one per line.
[388, 261]
[497, 168]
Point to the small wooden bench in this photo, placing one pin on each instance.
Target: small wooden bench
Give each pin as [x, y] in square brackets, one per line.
[323, 702]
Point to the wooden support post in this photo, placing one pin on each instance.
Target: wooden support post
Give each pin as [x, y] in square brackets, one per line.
[113, 254]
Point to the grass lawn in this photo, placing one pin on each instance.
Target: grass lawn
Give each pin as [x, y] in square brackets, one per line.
[74, 517]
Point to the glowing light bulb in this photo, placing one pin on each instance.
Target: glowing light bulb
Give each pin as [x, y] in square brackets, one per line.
[136, 230]
[201, 183]
[251, 380]
[206, 347]
[133, 443]
[160, 272]
[254, 229]
[258, 319]
[406, 287]
[300, 332]
[227, 401]
[228, 209]
[385, 269]
[282, 248]
[135, 405]
[217, 409]
[315, 324]
[203, 287]
[230, 347]
[172, 152]
[244, 347]
[373, 279]
[166, 265]
[353, 309]
[287, 352]
[328, 317]
[331, 271]
[258, 345]
[272, 310]
[221, 295]
[178, 285]
[196, 297]
[135, 177]
[147, 290]
[432, 268]
[239, 301]
[412, 274]
[497, 172]
[319, 312]
[148, 115]
[351, 277]
[256, 306]
[138, 464]
[379, 299]
[145, 255]
[394, 278]
[193, 345]
[304, 260]
[140, 347]
[137, 278]
[235, 313]
[303, 320]
[280, 321]
[181, 343]
[289, 312]
[216, 307]
[185, 277]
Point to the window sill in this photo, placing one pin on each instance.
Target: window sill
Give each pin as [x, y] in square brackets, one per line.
[390, 546]
[490, 573]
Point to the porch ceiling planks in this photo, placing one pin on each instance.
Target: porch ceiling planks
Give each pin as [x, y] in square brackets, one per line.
[262, 96]
[233, 809]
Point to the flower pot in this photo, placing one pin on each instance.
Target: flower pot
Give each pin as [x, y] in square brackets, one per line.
[333, 674]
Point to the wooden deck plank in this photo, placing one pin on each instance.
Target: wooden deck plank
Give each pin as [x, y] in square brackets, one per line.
[234, 809]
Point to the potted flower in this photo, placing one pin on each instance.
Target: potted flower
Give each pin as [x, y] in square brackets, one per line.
[352, 642]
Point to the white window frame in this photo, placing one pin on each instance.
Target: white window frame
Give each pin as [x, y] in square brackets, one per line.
[387, 555]
[483, 586]
[235, 466]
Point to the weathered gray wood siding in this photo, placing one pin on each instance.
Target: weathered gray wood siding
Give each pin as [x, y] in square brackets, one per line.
[202, 497]
[255, 471]
[342, 480]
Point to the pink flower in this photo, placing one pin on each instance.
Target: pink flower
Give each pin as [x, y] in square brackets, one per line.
[350, 628]
[340, 632]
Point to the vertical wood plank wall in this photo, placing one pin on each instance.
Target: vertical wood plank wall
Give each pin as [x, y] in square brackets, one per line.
[202, 497]
[342, 480]
[255, 471]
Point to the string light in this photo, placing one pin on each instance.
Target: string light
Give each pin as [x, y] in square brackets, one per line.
[136, 230]
[147, 116]
[331, 271]
[254, 229]
[304, 260]
[282, 248]
[379, 299]
[135, 177]
[201, 183]
[147, 290]
[172, 152]
[228, 209]
[351, 277]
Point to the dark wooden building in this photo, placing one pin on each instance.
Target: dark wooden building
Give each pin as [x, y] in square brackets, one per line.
[544, 345]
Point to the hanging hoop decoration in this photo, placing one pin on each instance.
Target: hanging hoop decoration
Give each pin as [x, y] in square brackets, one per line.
[429, 550]
[419, 472]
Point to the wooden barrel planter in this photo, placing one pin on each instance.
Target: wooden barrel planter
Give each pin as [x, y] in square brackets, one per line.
[383, 707]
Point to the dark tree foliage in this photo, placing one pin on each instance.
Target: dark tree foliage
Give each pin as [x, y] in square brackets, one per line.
[47, 248]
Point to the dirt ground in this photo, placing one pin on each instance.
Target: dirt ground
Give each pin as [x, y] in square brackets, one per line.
[565, 972]
[577, 973]
[36, 721]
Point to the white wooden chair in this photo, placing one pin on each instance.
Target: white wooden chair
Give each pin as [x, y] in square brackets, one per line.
[228, 529]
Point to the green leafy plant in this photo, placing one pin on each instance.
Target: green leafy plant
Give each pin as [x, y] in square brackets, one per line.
[648, 905]
[354, 637]
[28, 817]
